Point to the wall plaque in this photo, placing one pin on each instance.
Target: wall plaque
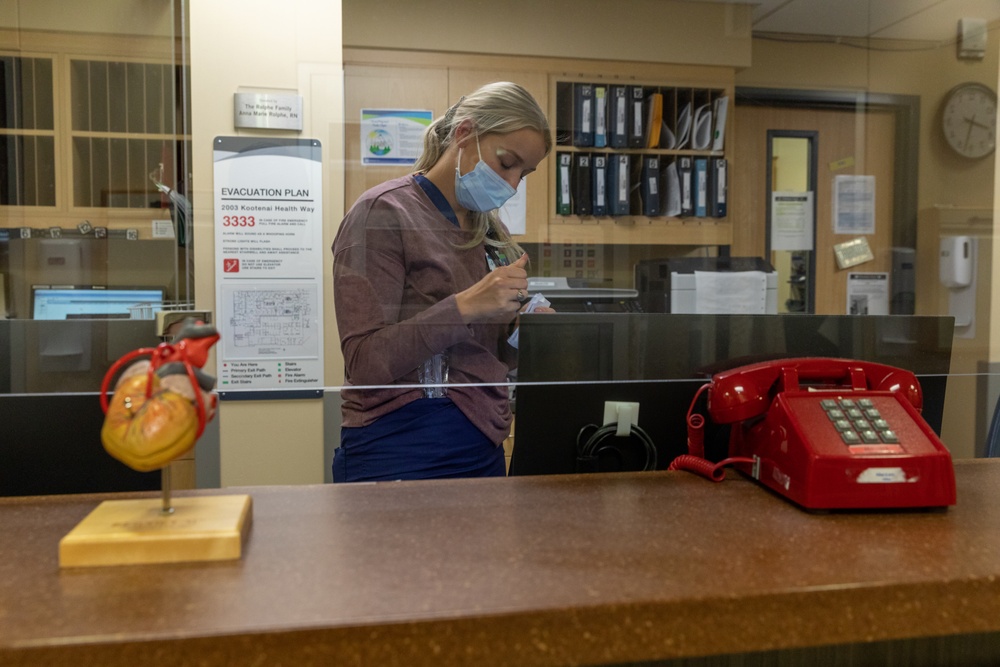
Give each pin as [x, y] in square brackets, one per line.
[268, 111]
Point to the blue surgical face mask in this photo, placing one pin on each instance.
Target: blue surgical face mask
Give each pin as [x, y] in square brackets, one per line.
[482, 189]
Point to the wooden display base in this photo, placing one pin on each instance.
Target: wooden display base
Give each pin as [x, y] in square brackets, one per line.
[129, 532]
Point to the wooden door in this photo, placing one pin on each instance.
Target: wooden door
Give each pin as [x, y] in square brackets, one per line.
[849, 143]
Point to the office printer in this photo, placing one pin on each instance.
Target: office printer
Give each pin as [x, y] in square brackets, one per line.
[576, 295]
[668, 285]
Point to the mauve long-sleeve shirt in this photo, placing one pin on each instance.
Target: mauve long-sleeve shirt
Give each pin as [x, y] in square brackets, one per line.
[397, 267]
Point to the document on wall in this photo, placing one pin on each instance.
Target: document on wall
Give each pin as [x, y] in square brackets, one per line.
[853, 204]
[269, 263]
[791, 221]
[393, 136]
[867, 293]
[514, 212]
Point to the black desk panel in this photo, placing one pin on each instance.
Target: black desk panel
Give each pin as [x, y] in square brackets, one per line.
[52, 445]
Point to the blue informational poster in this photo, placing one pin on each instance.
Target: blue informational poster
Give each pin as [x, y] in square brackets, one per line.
[393, 136]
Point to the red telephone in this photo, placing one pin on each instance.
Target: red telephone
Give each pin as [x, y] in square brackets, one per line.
[828, 434]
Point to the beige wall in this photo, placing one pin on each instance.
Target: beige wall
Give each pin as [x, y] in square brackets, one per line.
[121, 17]
[929, 73]
[661, 31]
[246, 46]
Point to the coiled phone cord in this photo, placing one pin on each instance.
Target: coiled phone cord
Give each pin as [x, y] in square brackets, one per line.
[713, 471]
[696, 427]
[695, 461]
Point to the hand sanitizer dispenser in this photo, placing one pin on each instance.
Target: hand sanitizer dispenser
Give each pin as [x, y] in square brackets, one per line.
[957, 271]
[956, 261]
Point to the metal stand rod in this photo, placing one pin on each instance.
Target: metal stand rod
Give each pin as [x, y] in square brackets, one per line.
[165, 483]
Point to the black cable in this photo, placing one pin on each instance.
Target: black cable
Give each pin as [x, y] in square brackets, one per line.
[588, 452]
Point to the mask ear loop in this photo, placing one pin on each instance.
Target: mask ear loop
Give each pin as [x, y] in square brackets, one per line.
[478, 148]
[458, 164]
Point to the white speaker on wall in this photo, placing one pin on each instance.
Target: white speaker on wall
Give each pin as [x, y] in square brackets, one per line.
[971, 38]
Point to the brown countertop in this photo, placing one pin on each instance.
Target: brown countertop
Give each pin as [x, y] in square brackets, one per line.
[521, 571]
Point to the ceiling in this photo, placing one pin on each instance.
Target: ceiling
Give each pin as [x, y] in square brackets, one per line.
[933, 20]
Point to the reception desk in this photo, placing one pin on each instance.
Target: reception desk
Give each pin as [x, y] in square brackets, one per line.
[599, 569]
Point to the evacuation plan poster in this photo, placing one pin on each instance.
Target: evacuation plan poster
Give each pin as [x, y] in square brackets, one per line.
[269, 263]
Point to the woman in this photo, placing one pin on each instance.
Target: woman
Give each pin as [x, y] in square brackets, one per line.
[427, 287]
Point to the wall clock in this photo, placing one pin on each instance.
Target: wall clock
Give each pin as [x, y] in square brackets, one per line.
[969, 120]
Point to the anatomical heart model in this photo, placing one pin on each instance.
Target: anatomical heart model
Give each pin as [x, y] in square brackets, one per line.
[162, 399]
[160, 404]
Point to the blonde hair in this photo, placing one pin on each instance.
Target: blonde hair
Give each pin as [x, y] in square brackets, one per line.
[496, 108]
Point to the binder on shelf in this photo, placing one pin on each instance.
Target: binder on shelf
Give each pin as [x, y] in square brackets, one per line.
[718, 187]
[654, 120]
[600, 184]
[637, 130]
[700, 187]
[564, 114]
[619, 118]
[583, 114]
[564, 203]
[670, 189]
[583, 198]
[685, 172]
[721, 108]
[650, 186]
[600, 116]
[619, 183]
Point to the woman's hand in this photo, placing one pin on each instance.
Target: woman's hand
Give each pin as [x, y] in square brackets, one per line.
[498, 296]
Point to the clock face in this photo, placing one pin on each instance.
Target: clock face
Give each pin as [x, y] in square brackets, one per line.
[970, 120]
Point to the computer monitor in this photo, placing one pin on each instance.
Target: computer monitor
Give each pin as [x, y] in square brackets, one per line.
[570, 365]
[52, 302]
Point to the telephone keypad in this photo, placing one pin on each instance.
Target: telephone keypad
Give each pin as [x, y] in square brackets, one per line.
[842, 425]
[858, 421]
[850, 437]
[869, 436]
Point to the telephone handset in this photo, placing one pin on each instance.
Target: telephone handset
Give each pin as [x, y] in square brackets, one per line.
[827, 434]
